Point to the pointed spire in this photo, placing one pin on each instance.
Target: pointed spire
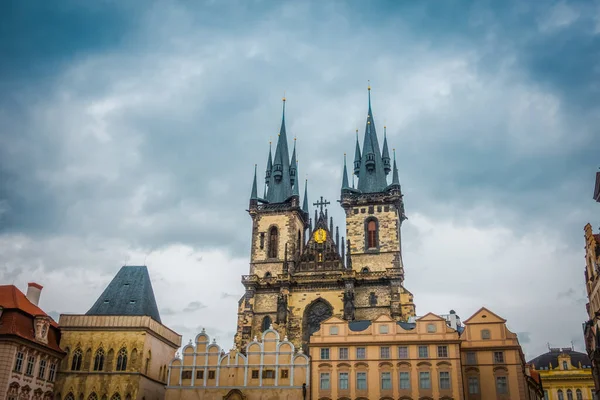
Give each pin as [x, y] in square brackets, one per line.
[296, 191]
[280, 187]
[254, 194]
[269, 166]
[293, 165]
[345, 175]
[357, 156]
[385, 155]
[395, 178]
[305, 203]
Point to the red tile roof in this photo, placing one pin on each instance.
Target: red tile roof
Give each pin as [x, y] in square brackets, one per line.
[18, 317]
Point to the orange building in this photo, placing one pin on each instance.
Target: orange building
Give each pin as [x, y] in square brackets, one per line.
[270, 369]
[386, 359]
[29, 346]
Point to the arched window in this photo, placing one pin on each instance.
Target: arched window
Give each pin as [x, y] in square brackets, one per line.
[70, 397]
[569, 394]
[148, 358]
[121, 363]
[579, 394]
[76, 363]
[116, 396]
[273, 242]
[267, 274]
[93, 396]
[314, 314]
[266, 324]
[365, 270]
[565, 366]
[372, 234]
[99, 360]
[561, 396]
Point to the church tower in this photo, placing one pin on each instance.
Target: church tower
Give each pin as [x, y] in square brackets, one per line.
[301, 271]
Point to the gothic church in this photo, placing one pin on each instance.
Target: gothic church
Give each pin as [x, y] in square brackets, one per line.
[301, 271]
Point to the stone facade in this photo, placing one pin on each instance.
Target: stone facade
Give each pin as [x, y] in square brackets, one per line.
[29, 346]
[591, 327]
[270, 369]
[115, 357]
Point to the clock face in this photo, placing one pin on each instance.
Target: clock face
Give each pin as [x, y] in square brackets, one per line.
[320, 235]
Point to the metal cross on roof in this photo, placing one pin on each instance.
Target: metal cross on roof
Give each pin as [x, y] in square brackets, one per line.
[321, 203]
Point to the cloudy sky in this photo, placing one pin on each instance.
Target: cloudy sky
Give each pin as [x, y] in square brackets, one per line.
[129, 133]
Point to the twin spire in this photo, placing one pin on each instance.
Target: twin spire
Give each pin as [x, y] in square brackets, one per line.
[281, 177]
[371, 166]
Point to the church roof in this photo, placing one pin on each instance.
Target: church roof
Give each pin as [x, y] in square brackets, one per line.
[551, 358]
[129, 293]
[597, 188]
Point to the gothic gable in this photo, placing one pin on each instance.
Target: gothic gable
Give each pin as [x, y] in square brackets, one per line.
[321, 253]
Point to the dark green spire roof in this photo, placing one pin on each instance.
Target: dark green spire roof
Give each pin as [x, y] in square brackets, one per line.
[371, 176]
[357, 156]
[280, 187]
[269, 166]
[129, 293]
[385, 155]
[305, 202]
[395, 179]
[294, 172]
[254, 194]
[345, 175]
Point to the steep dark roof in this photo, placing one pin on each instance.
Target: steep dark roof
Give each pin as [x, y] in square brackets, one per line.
[129, 293]
[597, 188]
[551, 357]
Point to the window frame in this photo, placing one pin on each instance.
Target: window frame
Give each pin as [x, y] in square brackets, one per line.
[403, 355]
[52, 372]
[360, 350]
[325, 353]
[504, 385]
[406, 381]
[423, 374]
[445, 379]
[343, 353]
[30, 368]
[426, 353]
[486, 334]
[388, 380]
[360, 374]
[375, 238]
[346, 380]
[324, 377]
[273, 240]
[42, 369]
[442, 351]
[384, 329]
[499, 357]
[20, 357]
[471, 358]
[384, 352]
[473, 384]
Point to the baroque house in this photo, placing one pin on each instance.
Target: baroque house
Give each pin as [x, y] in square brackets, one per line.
[566, 373]
[118, 350]
[301, 271]
[29, 346]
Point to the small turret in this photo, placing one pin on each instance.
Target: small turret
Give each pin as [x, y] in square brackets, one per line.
[345, 184]
[293, 165]
[269, 166]
[385, 155]
[395, 178]
[254, 193]
[357, 156]
[280, 188]
[305, 202]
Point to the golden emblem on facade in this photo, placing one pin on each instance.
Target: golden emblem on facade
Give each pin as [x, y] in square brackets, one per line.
[320, 235]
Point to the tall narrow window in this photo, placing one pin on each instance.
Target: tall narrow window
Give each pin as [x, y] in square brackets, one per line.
[372, 234]
[565, 367]
[361, 381]
[404, 380]
[473, 385]
[19, 362]
[266, 324]
[324, 380]
[99, 360]
[386, 381]
[76, 363]
[30, 366]
[343, 381]
[299, 242]
[502, 385]
[444, 380]
[579, 394]
[561, 395]
[424, 380]
[122, 360]
[42, 370]
[273, 239]
[569, 394]
[52, 372]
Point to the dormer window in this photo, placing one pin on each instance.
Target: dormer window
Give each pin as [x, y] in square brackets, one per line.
[565, 365]
[41, 326]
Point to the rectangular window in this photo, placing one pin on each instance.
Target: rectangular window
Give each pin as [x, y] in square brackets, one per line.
[361, 380]
[424, 380]
[386, 381]
[211, 374]
[324, 354]
[19, 362]
[324, 381]
[42, 371]
[473, 385]
[383, 329]
[284, 374]
[268, 374]
[501, 385]
[498, 357]
[546, 395]
[200, 374]
[333, 330]
[404, 380]
[360, 353]
[384, 352]
[444, 380]
[402, 352]
[343, 381]
[52, 372]
[442, 351]
[343, 353]
[186, 374]
[423, 352]
[254, 374]
[30, 365]
[471, 357]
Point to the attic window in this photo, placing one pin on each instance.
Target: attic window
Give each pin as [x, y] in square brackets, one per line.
[106, 301]
[126, 284]
[484, 316]
[131, 301]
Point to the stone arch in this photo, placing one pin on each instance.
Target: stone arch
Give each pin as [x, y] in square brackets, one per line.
[315, 313]
[234, 394]
[266, 323]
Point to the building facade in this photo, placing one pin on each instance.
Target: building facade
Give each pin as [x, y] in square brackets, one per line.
[301, 271]
[591, 328]
[29, 346]
[566, 373]
[270, 368]
[425, 359]
[119, 349]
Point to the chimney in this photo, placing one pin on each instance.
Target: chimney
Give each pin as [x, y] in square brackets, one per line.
[33, 292]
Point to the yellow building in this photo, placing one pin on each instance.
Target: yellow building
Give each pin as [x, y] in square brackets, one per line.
[270, 369]
[118, 350]
[566, 374]
[426, 359]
